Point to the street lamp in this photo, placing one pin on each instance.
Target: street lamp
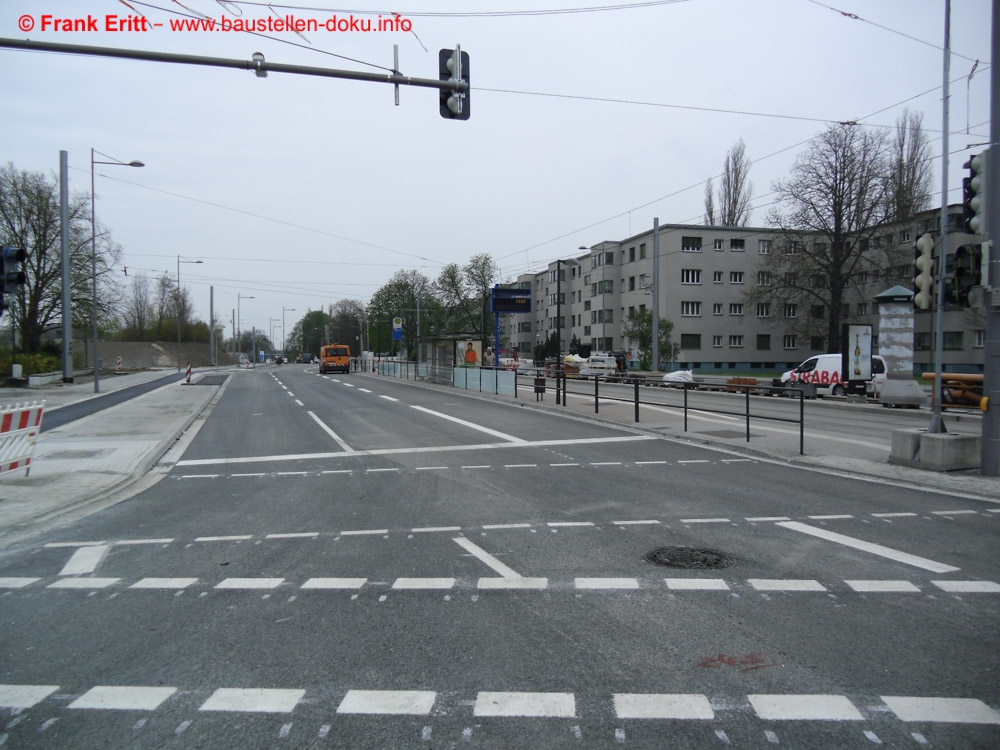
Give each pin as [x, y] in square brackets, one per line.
[283, 311]
[559, 357]
[93, 246]
[239, 342]
[177, 311]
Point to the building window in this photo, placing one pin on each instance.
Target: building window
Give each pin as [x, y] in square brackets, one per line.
[737, 246]
[691, 244]
[735, 277]
[763, 278]
[719, 245]
[922, 342]
[763, 342]
[553, 301]
[735, 308]
[788, 341]
[690, 341]
[631, 311]
[791, 310]
[716, 342]
[717, 308]
[763, 247]
[862, 308]
[794, 248]
[953, 340]
[586, 330]
[817, 312]
[790, 279]
[717, 277]
[642, 250]
[906, 236]
[763, 309]
[586, 305]
[736, 341]
[979, 338]
[690, 309]
[690, 275]
[818, 281]
[631, 283]
[631, 255]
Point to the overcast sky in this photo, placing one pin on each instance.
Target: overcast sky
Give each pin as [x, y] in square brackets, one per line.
[585, 124]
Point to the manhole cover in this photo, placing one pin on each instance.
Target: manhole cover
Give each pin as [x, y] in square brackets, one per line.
[688, 557]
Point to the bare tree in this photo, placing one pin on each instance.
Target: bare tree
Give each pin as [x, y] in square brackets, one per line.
[30, 219]
[709, 203]
[735, 188]
[910, 168]
[827, 214]
[163, 303]
[138, 308]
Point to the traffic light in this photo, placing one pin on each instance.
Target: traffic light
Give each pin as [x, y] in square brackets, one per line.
[453, 65]
[968, 274]
[974, 195]
[923, 271]
[11, 272]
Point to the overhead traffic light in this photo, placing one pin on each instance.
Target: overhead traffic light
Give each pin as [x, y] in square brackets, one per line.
[11, 273]
[974, 195]
[923, 271]
[967, 275]
[453, 65]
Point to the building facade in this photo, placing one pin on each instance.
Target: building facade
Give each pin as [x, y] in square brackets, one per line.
[705, 282]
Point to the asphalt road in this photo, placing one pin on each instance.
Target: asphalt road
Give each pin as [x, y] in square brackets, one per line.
[349, 561]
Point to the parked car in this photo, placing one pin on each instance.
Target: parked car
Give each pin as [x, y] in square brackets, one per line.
[823, 371]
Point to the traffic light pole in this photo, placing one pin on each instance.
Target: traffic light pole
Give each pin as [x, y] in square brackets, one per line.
[990, 455]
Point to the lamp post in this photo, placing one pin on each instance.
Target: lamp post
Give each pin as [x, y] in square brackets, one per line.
[271, 322]
[283, 311]
[239, 342]
[93, 246]
[177, 311]
[559, 356]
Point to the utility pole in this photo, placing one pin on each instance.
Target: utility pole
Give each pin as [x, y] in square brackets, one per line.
[990, 456]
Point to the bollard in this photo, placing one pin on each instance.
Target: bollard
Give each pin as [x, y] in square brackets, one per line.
[188, 381]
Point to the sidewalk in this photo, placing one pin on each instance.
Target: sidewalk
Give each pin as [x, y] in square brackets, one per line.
[97, 460]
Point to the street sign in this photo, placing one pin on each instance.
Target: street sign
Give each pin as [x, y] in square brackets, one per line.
[510, 300]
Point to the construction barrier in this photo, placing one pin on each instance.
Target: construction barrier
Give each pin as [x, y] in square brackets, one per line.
[188, 381]
[19, 428]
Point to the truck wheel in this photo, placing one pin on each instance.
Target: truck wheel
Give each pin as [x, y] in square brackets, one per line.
[839, 390]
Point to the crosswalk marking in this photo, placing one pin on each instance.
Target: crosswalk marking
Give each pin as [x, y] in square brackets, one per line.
[696, 584]
[164, 583]
[777, 584]
[951, 710]
[83, 583]
[607, 583]
[17, 582]
[249, 583]
[804, 707]
[882, 586]
[24, 696]
[411, 702]
[334, 583]
[423, 583]
[562, 705]
[968, 587]
[652, 706]
[513, 583]
[123, 698]
[255, 700]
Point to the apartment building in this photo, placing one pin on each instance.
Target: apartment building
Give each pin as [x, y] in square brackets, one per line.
[706, 275]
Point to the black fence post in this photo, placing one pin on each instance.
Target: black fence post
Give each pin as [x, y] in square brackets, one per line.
[637, 399]
[748, 413]
[597, 399]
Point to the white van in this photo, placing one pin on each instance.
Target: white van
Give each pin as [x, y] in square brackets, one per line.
[823, 371]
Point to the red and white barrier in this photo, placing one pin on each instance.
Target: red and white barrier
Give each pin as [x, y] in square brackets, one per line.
[19, 428]
[188, 381]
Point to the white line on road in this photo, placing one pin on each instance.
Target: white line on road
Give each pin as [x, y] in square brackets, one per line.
[85, 560]
[562, 705]
[875, 549]
[473, 425]
[123, 698]
[486, 558]
[258, 700]
[336, 438]
[406, 702]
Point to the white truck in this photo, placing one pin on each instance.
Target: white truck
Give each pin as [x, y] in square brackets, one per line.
[823, 371]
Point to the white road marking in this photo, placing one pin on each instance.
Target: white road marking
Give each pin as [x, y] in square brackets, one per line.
[954, 512]
[410, 451]
[144, 541]
[423, 583]
[302, 535]
[334, 583]
[507, 526]
[428, 529]
[513, 583]
[164, 583]
[123, 698]
[633, 523]
[236, 538]
[828, 518]
[473, 425]
[336, 438]
[696, 584]
[875, 549]
[299, 402]
[433, 468]
[883, 586]
[649, 463]
[662, 706]
[85, 560]
[249, 583]
[949, 710]
[762, 519]
[781, 584]
[17, 583]
[57, 545]
[606, 583]
[562, 705]
[563, 524]
[968, 587]
[396, 702]
[364, 532]
[894, 515]
[804, 708]
[24, 696]
[389, 398]
[258, 700]
[486, 558]
[83, 583]
[705, 520]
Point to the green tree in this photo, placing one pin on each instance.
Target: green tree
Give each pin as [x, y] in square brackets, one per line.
[638, 328]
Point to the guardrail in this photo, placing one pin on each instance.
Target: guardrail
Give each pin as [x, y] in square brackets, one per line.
[746, 389]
